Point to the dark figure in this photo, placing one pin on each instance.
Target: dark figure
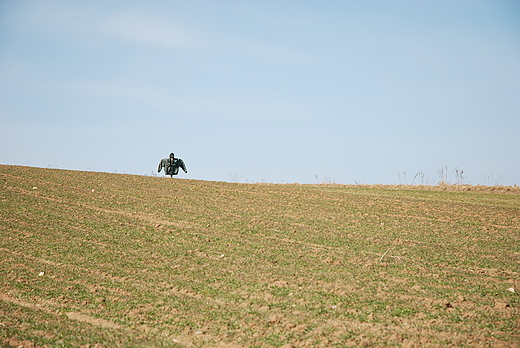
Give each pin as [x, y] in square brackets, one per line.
[171, 165]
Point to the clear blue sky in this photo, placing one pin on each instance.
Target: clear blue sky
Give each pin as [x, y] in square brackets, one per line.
[275, 91]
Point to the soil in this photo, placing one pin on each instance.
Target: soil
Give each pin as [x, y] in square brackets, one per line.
[111, 260]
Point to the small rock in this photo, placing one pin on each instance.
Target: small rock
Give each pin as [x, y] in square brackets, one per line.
[511, 289]
[41, 274]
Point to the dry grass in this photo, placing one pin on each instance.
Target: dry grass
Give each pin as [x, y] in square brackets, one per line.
[98, 259]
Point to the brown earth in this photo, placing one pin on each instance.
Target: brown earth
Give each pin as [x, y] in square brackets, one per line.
[107, 260]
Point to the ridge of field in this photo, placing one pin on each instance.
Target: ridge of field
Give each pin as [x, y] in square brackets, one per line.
[110, 260]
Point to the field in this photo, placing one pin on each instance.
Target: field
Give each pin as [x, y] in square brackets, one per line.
[111, 260]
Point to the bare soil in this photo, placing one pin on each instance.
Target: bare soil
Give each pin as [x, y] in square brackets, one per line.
[109, 260]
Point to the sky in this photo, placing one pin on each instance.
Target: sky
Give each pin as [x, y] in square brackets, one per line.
[349, 92]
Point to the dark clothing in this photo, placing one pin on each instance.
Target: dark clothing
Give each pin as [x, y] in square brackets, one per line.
[172, 168]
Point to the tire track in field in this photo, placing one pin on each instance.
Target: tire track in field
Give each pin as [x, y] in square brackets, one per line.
[71, 315]
[185, 226]
[154, 220]
[442, 219]
[142, 216]
[140, 284]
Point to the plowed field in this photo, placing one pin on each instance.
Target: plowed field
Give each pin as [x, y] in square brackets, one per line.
[109, 260]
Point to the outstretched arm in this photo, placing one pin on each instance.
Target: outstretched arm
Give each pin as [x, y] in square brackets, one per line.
[183, 166]
[160, 167]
